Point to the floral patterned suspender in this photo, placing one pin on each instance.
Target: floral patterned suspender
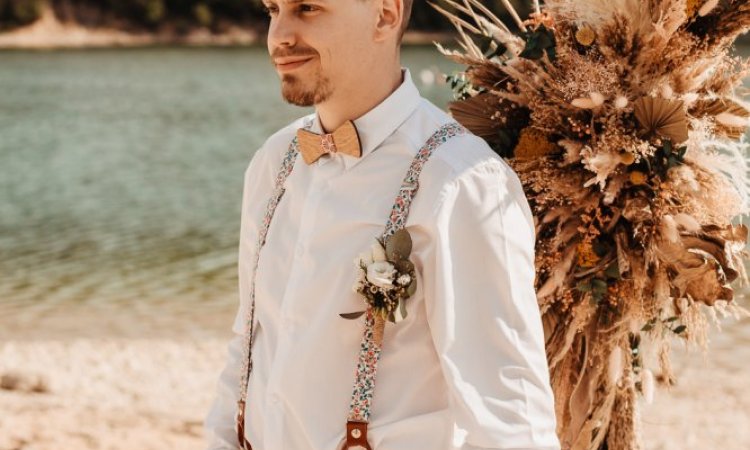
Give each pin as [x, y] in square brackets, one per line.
[370, 347]
[371, 344]
[247, 362]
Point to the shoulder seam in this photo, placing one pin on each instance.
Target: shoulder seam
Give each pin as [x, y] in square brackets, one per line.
[456, 176]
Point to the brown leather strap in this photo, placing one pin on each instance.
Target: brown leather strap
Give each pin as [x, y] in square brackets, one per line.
[356, 436]
[244, 444]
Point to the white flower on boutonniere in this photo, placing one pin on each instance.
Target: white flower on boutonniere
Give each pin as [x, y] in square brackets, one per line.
[386, 277]
[380, 273]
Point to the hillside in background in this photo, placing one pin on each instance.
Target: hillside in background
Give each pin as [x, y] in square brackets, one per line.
[178, 15]
[105, 23]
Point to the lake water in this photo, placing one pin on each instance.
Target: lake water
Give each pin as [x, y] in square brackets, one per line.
[121, 179]
[120, 184]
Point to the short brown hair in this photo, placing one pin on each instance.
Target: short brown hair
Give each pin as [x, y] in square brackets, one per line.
[407, 16]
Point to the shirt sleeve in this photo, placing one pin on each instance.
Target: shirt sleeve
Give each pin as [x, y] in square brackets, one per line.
[219, 423]
[483, 314]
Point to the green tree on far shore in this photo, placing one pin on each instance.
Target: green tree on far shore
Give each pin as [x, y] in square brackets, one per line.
[183, 14]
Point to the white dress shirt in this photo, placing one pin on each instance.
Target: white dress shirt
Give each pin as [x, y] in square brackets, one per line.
[465, 370]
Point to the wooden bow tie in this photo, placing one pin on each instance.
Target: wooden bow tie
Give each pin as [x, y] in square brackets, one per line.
[344, 139]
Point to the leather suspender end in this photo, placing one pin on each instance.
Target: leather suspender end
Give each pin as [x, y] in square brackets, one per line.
[356, 436]
[244, 444]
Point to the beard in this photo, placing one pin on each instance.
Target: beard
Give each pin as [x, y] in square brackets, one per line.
[307, 91]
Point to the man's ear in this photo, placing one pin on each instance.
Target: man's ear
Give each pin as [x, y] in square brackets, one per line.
[390, 16]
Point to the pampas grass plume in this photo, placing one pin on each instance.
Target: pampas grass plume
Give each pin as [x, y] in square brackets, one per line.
[614, 371]
[647, 385]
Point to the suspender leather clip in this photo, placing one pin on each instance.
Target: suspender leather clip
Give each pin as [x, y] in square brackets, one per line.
[240, 425]
[356, 436]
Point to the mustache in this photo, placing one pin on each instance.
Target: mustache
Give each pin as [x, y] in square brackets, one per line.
[280, 52]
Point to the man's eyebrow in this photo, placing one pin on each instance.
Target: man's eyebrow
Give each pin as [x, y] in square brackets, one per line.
[291, 2]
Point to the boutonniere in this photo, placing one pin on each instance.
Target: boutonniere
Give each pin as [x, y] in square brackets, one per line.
[386, 277]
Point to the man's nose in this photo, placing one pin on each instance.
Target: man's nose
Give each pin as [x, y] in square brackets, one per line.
[282, 31]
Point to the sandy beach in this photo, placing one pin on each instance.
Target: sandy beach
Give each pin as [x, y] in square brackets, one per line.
[152, 393]
[106, 393]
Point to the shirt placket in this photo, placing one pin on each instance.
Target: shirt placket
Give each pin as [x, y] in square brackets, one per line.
[283, 362]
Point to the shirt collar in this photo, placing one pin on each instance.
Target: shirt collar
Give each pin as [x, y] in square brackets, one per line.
[380, 122]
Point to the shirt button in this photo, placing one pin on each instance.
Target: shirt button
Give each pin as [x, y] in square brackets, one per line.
[275, 398]
[300, 250]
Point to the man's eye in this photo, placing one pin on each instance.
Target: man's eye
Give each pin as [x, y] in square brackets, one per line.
[304, 7]
[271, 10]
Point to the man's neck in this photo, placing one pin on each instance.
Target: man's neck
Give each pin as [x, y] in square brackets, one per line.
[345, 106]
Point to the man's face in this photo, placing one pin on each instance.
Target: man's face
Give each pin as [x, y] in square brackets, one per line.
[320, 46]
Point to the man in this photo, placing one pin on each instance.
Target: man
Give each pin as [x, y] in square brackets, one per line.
[466, 367]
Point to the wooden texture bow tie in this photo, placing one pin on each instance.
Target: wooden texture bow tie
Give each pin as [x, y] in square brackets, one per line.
[344, 139]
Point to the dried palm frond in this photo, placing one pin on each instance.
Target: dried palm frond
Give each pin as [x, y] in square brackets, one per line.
[478, 114]
[663, 117]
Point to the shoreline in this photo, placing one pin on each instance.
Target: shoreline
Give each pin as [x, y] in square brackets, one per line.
[48, 33]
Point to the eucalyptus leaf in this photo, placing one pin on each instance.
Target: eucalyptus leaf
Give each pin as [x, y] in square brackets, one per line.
[402, 308]
[404, 266]
[598, 286]
[538, 42]
[506, 140]
[485, 43]
[601, 248]
[352, 315]
[613, 271]
[531, 53]
[545, 39]
[398, 245]
[499, 50]
[490, 47]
